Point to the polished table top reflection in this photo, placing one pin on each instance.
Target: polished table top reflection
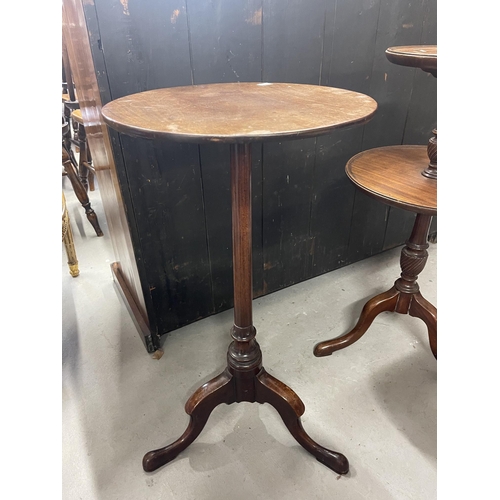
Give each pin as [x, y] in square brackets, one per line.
[239, 114]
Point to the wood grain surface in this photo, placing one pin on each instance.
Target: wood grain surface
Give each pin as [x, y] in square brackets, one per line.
[237, 112]
[393, 174]
[416, 56]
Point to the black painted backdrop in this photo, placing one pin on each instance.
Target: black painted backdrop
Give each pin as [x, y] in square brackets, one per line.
[308, 218]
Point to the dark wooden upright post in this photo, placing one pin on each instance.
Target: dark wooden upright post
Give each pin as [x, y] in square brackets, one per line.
[244, 352]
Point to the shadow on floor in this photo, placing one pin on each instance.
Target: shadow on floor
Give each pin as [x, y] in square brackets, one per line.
[407, 392]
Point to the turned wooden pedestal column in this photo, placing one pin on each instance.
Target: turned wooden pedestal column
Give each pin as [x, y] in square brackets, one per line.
[239, 114]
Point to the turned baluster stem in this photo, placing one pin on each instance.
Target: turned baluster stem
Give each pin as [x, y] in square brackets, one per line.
[432, 152]
[413, 259]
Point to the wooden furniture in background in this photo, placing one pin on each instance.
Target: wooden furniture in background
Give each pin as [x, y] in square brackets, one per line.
[71, 170]
[425, 58]
[124, 269]
[69, 96]
[239, 114]
[404, 177]
[67, 238]
[86, 171]
[79, 171]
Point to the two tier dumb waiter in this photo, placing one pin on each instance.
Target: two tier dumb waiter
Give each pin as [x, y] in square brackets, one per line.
[403, 177]
[239, 114]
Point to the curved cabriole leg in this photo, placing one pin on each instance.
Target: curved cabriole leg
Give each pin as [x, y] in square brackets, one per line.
[290, 407]
[423, 309]
[199, 407]
[383, 302]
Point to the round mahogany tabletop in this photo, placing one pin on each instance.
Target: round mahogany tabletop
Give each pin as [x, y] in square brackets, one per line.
[416, 56]
[237, 112]
[393, 174]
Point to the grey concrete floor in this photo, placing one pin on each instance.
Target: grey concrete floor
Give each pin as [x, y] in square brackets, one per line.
[374, 401]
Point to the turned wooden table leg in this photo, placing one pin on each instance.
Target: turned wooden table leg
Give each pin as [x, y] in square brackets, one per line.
[244, 378]
[404, 297]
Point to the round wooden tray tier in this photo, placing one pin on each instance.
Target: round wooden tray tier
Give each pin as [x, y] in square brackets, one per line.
[393, 174]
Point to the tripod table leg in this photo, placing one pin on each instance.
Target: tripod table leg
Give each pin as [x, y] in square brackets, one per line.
[199, 407]
[383, 302]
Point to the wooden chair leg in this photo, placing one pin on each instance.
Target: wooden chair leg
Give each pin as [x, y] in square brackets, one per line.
[90, 167]
[66, 136]
[82, 196]
[83, 171]
[69, 245]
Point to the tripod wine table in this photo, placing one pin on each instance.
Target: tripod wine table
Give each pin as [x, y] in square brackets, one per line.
[403, 177]
[239, 114]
